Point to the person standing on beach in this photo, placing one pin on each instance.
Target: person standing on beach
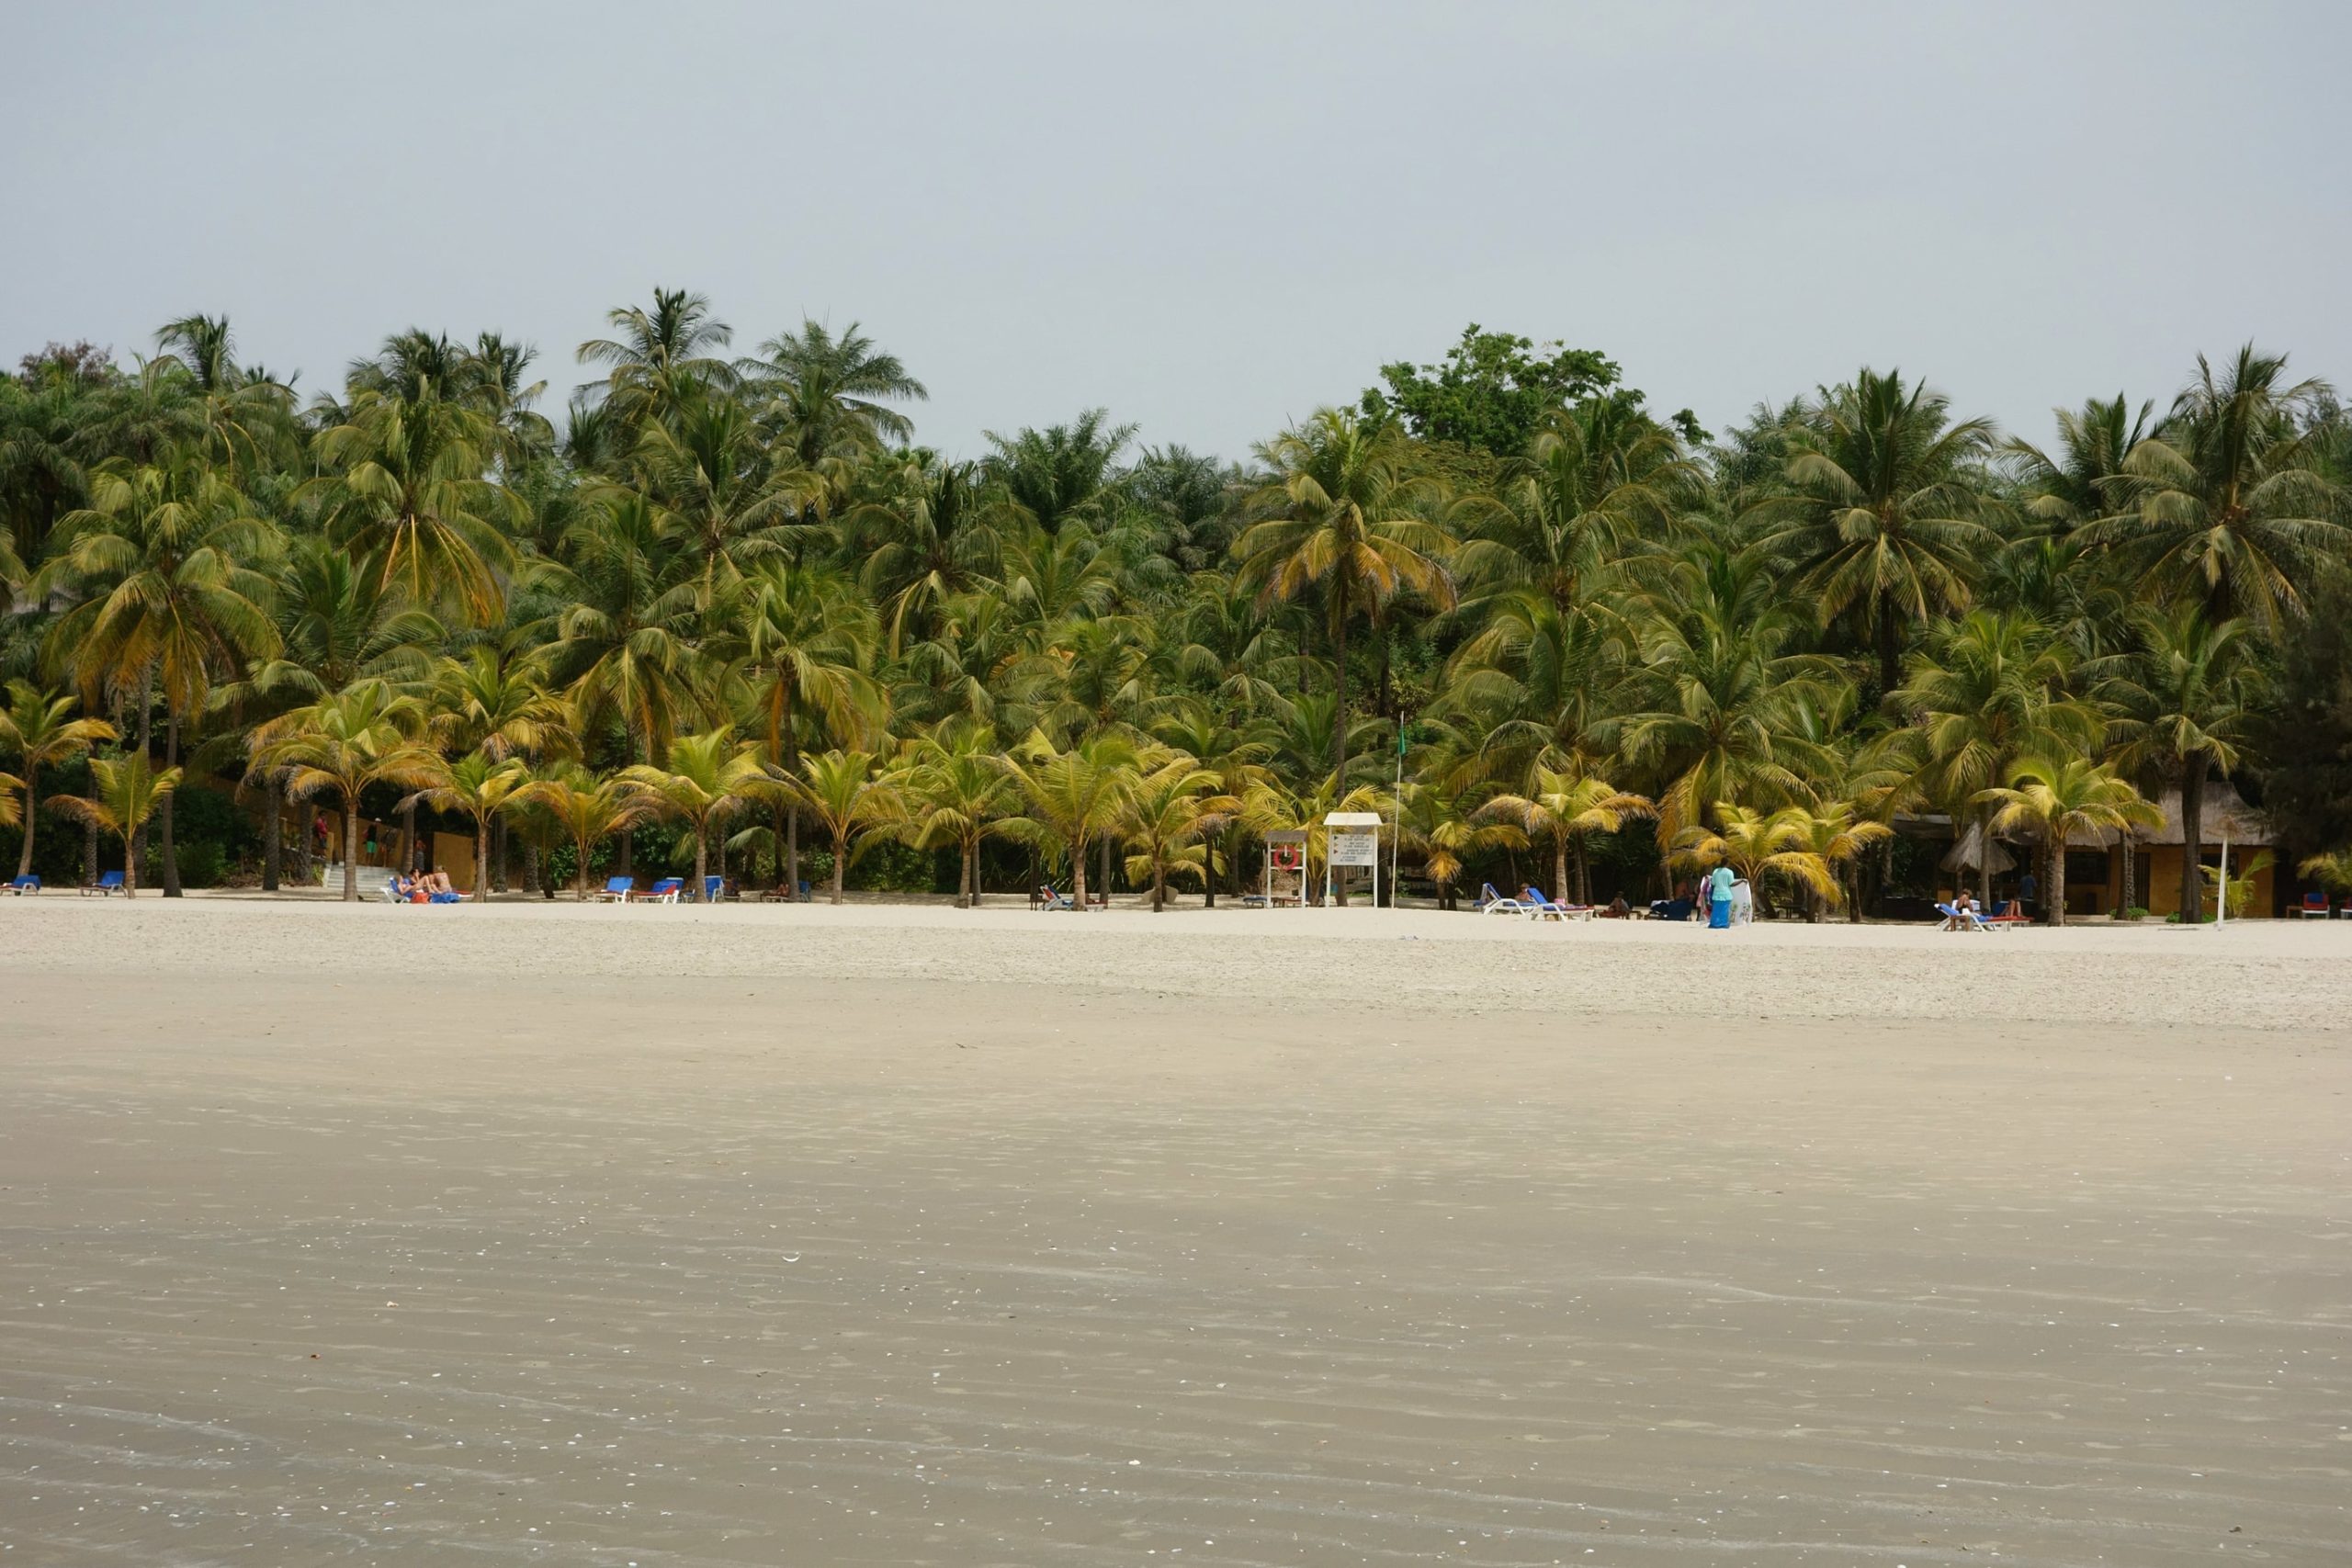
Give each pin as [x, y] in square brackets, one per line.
[1718, 886]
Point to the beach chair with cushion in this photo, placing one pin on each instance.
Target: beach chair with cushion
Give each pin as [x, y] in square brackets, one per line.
[105, 886]
[1975, 923]
[665, 891]
[2313, 906]
[1493, 903]
[616, 890]
[2010, 913]
[1541, 908]
[24, 884]
[1047, 898]
[714, 889]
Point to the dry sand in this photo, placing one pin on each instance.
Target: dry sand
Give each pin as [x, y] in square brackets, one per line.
[683, 1237]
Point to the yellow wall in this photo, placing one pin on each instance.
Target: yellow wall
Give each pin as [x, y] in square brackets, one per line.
[2158, 889]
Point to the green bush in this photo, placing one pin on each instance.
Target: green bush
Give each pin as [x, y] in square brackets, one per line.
[202, 863]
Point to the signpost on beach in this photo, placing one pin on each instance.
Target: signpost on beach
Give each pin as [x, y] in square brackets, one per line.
[1286, 859]
[1352, 838]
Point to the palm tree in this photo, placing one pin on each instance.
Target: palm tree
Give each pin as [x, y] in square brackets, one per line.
[1344, 515]
[1072, 796]
[586, 810]
[2083, 480]
[1992, 690]
[719, 492]
[659, 358]
[960, 793]
[627, 630]
[1838, 834]
[1753, 842]
[1169, 814]
[478, 786]
[341, 744]
[1601, 480]
[402, 488]
[11, 812]
[1567, 809]
[2054, 799]
[2181, 707]
[840, 789]
[2228, 503]
[704, 779]
[163, 559]
[2332, 871]
[829, 396]
[1060, 474]
[1446, 828]
[128, 792]
[930, 536]
[802, 641]
[1236, 754]
[35, 728]
[1717, 707]
[1881, 508]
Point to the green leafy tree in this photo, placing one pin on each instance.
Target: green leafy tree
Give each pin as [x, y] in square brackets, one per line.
[840, 789]
[1492, 392]
[477, 787]
[1568, 810]
[339, 745]
[704, 779]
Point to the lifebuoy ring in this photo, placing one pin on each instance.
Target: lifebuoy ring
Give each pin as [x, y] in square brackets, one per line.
[1286, 857]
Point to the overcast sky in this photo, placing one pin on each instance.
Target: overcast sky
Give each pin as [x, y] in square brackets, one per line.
[1210, 219]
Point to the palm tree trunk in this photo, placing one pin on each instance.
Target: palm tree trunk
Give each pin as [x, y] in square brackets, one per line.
[170, 849]
[1077, 873]
[841, 860]
[90, 853]
[351, 848]
[2055, 877]
[1984, 857]
[1560, 867]
[1106, 871]
[1584, 873]
[407, 862]
[1890, 651]
[134, 845]
[273, 831]
[964, 899]
[130, 865]
[580, 878]
[1340, 720]
[32, 814]
[482, 860]
[627, 851]
[2131, 868]
[2192, 842]
[792, 853]
[702, 863]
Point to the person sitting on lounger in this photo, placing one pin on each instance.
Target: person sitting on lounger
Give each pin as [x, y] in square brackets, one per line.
[1961, 904]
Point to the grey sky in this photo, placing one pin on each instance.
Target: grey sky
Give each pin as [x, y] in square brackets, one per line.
[1209, 219]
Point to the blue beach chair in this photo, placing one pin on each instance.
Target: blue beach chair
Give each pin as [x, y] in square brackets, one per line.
[107, 886]
[24, 884]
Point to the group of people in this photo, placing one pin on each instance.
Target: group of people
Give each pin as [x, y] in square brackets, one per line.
[424, 887]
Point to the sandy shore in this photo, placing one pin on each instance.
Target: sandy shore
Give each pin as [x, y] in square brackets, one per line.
[683, 1238]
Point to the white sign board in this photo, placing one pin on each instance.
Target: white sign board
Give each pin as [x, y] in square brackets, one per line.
[1355, 846]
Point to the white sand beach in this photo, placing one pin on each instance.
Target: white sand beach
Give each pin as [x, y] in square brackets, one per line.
[688, 1237]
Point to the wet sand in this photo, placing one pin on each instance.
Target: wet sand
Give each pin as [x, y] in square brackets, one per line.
[359, 1241]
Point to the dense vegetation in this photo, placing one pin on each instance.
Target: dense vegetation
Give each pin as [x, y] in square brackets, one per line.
[731, 613]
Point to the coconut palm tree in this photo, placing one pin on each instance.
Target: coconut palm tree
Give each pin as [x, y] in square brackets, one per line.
[719, 490]
[1169, 814]
[402, 488]
[1346, 516]
[1753, 843]
[128, 792]
[703, 780]
[164, 560]
[586, 810]
[828, 397]
[956, 788]
[2055, 799]
[339, 745]
[1072, 797]
[477, 786]
[2180, 709]
[1881, 508]
[36, 728]
[627, 629]
[1445, 828]
[1838, 833]
[658, 359]
[840, 789]
[1991, 689]
[2229, 502]
[1601, 480]
[1568, 810]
